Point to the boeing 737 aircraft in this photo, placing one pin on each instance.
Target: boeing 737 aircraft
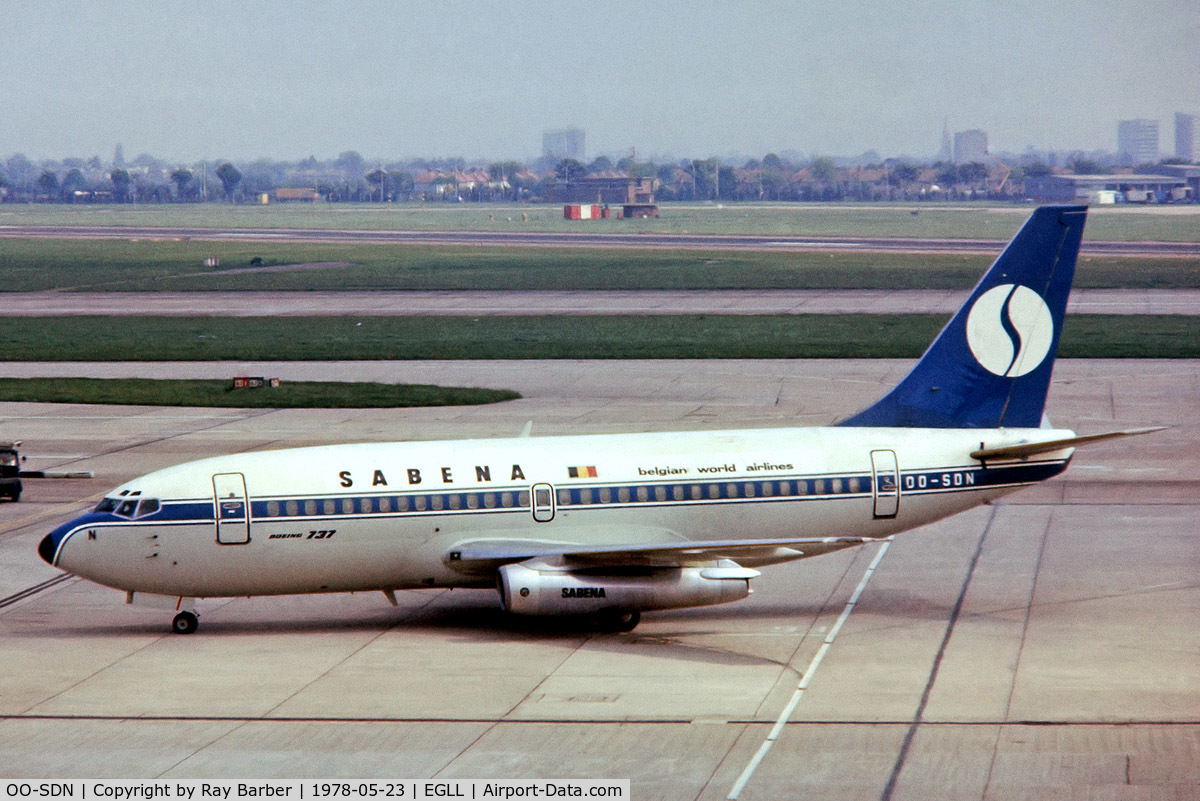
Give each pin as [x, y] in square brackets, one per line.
[610, 526]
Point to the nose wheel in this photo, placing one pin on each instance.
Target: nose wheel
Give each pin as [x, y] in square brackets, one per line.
[185, 623]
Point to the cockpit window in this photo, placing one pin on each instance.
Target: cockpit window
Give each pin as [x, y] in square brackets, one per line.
[128, 507]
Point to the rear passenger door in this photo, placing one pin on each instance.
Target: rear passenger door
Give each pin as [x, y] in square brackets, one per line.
[886, 483]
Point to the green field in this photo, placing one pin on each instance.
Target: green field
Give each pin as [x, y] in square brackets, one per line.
[210, 393]
[107, 265]
[987, 221]
[550, 337]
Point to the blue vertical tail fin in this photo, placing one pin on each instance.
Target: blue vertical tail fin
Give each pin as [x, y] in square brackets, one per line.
[990, 366]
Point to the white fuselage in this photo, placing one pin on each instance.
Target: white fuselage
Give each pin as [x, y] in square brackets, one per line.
[392, 515]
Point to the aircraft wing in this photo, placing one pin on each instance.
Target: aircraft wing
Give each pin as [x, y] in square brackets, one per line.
[487, 554]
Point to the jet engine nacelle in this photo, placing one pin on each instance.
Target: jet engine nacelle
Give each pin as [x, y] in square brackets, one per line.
[545, 590]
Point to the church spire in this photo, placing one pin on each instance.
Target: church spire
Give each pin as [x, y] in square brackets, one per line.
[947, 151]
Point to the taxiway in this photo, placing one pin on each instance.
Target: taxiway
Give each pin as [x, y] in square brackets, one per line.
[559, 302]
[605, 239]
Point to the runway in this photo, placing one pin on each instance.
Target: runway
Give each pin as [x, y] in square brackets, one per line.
[562, 302]
[1043, 646]
[605, 239]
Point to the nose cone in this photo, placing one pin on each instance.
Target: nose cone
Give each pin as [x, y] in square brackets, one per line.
[47, 548]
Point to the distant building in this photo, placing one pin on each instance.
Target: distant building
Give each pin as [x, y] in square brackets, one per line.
[1187, 137]
[1188, 172]
[1137, 142]
[604, 189]
[564, 144]
[286, 194]
[946, 152]
[970, 146]
[1109, 188]
[439, 185]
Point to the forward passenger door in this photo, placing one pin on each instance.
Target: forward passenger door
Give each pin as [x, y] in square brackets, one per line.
[232, 509]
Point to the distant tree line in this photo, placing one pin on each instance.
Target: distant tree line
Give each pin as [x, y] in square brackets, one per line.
[352, 178]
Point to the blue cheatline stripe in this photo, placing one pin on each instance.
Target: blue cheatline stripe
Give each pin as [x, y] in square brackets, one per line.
[600, 495]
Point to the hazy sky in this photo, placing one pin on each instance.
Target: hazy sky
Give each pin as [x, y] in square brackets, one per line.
[285, 79]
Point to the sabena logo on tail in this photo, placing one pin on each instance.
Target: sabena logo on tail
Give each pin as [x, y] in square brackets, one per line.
[1010, 330]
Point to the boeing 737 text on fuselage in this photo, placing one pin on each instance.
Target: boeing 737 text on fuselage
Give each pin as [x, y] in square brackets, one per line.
[610, 526]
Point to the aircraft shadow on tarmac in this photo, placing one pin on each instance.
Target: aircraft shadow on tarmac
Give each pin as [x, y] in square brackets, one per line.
[476, 617]
[470, 625]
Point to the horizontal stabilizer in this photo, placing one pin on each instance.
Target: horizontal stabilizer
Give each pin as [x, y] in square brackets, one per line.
[1028, 449]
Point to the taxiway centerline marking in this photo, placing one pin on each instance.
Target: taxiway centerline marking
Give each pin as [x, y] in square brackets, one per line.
[807, 676]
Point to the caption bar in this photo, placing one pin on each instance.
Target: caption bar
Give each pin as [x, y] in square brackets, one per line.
[190, 790]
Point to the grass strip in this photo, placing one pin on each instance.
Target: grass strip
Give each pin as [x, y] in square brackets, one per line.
[211, 393]
[551, 337]
[925, 219]
[28, 265]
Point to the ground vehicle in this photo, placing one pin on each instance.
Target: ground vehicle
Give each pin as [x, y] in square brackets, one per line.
[10, 469]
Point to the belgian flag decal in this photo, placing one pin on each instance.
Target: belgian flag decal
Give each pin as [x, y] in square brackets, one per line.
[582, 472]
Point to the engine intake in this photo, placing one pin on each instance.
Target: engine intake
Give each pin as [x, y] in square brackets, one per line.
[545, 590]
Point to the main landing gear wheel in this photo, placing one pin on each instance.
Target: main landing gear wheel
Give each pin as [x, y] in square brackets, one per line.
[185, 623]
[617, 620]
